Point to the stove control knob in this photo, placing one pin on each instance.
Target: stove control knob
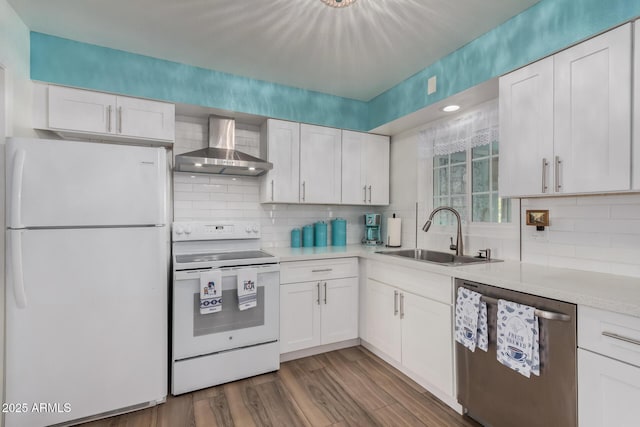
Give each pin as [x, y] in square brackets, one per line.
[187, 230]
[179, 230]
[255, 229]
[248, 229]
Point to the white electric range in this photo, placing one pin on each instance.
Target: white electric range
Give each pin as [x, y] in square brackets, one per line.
[215, 348]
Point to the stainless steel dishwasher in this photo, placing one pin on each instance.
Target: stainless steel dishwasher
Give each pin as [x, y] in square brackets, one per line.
[497, 396]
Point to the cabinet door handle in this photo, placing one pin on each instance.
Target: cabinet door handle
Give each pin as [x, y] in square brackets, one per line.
[304, 190]
[402, 305]
[545, 164]
[369, 194]
[621, 338]
[318, 287]
[322, 270]
[557, 173]
[325, 293]
[109, 119]
[272, 190]
[395, 303]
[119, 119]
[365, 194]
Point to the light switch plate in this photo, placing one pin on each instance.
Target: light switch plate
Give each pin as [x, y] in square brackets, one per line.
[431, 85]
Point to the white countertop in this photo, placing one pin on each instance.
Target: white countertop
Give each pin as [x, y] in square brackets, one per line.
[611, 292]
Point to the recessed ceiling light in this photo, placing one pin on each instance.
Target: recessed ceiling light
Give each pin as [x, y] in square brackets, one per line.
[252, 169]
[451, 108]
[197, 165]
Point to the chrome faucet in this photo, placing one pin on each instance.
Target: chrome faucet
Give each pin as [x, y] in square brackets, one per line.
[458, 247]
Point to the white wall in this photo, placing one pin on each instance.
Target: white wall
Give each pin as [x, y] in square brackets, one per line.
[202, 197]
[594, 233]
[403, 191]
[15, 118]
[14, 57]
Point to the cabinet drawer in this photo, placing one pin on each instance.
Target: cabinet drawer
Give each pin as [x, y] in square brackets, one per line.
[611, 334]
[310, 271]
[437, 287]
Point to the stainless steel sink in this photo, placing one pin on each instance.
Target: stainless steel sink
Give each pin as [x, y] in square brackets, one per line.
[435, 257]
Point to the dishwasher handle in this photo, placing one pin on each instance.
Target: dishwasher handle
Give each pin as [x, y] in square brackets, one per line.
[549, 315]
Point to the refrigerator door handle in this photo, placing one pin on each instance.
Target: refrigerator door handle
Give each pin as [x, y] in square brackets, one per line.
[16, 268]
[16, 189]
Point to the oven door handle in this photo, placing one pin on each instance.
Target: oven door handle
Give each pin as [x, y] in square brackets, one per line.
[226, 271]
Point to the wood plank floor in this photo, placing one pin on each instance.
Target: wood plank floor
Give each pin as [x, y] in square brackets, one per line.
[349, 387]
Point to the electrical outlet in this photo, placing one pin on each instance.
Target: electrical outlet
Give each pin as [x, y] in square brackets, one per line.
[431, 85]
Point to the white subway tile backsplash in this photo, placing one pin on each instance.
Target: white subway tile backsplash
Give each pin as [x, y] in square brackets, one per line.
[608, 226]
[573, 212]
[184, 195]
[210, 188]
[594, 233]
[625, 211]
[180, 187]
[188, 178]
[610, 199]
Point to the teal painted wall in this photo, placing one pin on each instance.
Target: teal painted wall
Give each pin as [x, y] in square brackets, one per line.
[537, 32]
[68, 62]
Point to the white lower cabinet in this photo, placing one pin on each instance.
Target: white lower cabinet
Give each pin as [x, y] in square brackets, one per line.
[322, 310]
[299, 316]
[608, 391]
[409, 319]
[608, 368]
[426, 340]
[382, 322]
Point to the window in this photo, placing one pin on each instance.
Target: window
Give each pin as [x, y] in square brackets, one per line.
[459, 145]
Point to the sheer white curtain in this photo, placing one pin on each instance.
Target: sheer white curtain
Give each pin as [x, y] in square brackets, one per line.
[467, 130]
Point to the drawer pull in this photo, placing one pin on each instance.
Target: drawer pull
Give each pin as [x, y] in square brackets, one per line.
[322, 270]
[621, 338]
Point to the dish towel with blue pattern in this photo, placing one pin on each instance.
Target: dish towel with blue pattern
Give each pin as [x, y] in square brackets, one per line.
[210, 291]
[247, 288]
[518, 332]
[471, 320]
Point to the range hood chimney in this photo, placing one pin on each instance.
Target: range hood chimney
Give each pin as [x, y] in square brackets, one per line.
[221, 156]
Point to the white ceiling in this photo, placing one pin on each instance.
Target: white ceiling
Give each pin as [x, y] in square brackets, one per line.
[355, 52]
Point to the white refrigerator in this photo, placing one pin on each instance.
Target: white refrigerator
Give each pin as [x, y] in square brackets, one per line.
[87, 278]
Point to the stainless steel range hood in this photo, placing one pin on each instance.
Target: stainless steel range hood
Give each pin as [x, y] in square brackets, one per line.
[221, 157]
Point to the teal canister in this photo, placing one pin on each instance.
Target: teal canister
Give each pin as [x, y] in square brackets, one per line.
[295, 238]
[321, 233]
[339, 232]
[307, 236]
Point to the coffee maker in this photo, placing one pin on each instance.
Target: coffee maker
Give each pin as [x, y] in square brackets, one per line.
[372, 233]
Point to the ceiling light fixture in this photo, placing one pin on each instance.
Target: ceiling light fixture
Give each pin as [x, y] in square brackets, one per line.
[451, 108]
[338, 3]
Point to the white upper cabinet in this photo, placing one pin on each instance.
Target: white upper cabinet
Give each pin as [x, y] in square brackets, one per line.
[365, 168]
[565, 121]
[320, 164]
[81, 110]
[526, 130]
[97, 115]
[142, 118]
[592, 106]
[281, 184]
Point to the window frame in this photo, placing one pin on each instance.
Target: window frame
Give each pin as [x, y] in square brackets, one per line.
[467, 217]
